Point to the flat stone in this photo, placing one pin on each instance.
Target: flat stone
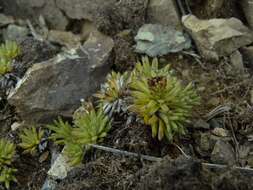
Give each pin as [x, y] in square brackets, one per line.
[60, 168]
[201, 124]
[55, 87]
[215, 38]
[237, 61]
[157, 40]
[163, 12]
[67, 39]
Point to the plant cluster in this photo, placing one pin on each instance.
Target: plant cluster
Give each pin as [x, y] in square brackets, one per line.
[8, 51]
[112, 93]
[89, 127]
[30, 139]
[7, 152]
[157, 97]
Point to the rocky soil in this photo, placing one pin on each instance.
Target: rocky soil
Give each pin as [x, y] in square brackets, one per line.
[69, 46]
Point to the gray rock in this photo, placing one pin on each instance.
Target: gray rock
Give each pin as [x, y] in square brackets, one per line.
[67, 39]
[163, 12]
[156, 40]
[53, 15]
[49, 184]
[87, 28]
[201, 124]
[60, 168]
[5, 20]
[32, 9]
[223, 153]
[220, 132]
[217, 37]
[237, 61]
[247, 6]
[15, 33]
[55, 87]
[110, 16]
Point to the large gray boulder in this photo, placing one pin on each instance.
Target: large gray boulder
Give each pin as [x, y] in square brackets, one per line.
[55, 87]
[163, 12]
[215, 38]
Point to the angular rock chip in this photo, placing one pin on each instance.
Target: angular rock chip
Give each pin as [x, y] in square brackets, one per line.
[223, 153]
[157, 40]
[67, 39]
[55, 87]
[215, 38]
[15, 33]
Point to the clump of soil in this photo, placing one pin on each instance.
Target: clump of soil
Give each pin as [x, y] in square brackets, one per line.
[189, 174]
[31, 173]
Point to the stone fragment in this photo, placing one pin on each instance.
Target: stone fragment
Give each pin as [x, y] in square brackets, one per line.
[157, 40]
[201, 124]
[215, 38]
[60, 168]
[223, 153]
[237, 61]
[15, 33]
[67, 39]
